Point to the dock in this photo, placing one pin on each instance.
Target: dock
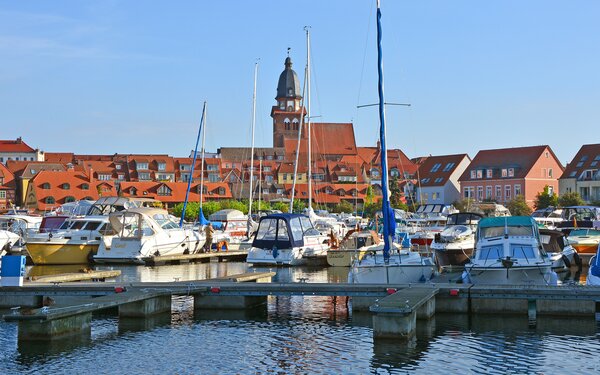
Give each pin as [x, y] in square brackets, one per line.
[230, 256]
[395, 309]
[76, 276]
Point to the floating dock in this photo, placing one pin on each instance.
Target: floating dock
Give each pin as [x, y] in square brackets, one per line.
[76, 276]
[230, 256]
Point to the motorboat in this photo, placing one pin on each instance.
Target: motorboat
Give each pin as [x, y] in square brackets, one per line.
[351, 247]
[287, 240]
[585, 241]
[559, 249]
[230, 226]
[21, 225]
[593, 276]
[140, 233]
[454, 245]
[7, 240]
[548, 217]
[508, 251]
[74, 242]
[574, 217]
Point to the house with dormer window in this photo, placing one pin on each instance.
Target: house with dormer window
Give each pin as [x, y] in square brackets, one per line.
[582, 174]
[500, 175]
[438, 178]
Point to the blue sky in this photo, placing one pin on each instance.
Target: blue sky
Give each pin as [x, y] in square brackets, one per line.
[131, 76]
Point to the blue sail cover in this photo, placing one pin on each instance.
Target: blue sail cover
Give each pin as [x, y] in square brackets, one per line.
[201, 219]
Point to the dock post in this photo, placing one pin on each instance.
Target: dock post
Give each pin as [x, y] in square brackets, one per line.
[44, 330]
[532, 312]
[146, 307]
[394, 325]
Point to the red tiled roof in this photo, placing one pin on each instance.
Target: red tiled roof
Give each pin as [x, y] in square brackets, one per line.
[177, 191]
[15, 146]
[521, 159]
[588, 157]
[430, 177]
[59, 157]
[327, 139]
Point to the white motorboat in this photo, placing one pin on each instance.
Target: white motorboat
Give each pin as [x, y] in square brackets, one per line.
[21, 225]
[562, 254]
[509, 252]
[143, 232]
[287, 240]
[454, 246]
[7, 240]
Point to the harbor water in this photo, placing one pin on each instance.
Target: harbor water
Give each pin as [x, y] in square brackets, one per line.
[298, 335]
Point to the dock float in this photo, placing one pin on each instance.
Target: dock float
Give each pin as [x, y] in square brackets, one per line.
[234, 256]
[76, 276]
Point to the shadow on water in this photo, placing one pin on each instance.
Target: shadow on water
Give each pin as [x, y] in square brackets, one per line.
[39, 352]
[144, 324]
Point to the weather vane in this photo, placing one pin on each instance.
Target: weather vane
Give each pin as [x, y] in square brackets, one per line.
[289, 51]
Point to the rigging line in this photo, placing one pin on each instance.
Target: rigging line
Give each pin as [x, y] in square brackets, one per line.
[362, 72]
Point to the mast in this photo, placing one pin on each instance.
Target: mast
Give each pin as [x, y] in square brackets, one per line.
[187, 192]
[252, 148]
[259, 181]
[298, 145]
[202, 164]
[308, 117]
[386, 209]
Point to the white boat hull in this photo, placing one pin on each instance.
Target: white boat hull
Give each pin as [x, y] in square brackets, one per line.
[296, 256]
[403, 267]
[516, 275]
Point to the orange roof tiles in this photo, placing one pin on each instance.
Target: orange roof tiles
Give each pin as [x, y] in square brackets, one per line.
[436, 170]
[15, 146]
[588, 157]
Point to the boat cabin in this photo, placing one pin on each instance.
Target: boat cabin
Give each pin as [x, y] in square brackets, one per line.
[283, 231]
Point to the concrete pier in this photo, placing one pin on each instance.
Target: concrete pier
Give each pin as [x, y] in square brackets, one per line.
[32, 330]
[146, 307]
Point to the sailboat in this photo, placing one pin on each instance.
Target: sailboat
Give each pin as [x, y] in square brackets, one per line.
[388, 263]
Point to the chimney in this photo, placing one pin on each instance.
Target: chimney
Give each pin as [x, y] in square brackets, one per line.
[91, 173]
[19, 140]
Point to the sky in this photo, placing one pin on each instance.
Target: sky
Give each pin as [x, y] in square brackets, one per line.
[104, 77]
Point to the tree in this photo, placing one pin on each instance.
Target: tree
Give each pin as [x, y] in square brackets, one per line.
[464, 205]
[299, 205]
[343, 206]
[518, 206]
[283, 207]
[210, 207]
[191, 210]
[544, 199]
[234, 205]
[260, 206]
[369, 195]
[570, 199]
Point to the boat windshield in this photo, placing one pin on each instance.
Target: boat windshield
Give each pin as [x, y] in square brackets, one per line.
[164, 221]
[131, 227]
[462, 219]
[518, 230]
[584, 232]
[522, 251]
[491, 254]
[272, 229]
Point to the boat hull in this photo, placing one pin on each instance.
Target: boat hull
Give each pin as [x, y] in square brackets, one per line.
[61, 253]
[343, 258]
[392, 273]
[518, 275]
[136, 251]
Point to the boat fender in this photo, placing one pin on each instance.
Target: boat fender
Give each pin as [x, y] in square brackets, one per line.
[566, 261]
[120, 289]
[578, 261]
[275, 252]
[157, 253]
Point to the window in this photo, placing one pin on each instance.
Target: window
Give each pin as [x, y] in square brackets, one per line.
[266, 168]
[584, 158]
[212, 177]
[2, 194]
[144, 176]
[66, 186]
[489, 173]
[488, 192]
[439, 179]
[121, 176]
[185, 167]
[103, 177]
[221, 191]
[511, 172]
[69, 199]
[374, 172]
[279, 191]
[573, 174]
[133, 191]
[269, 157]
[212, 167]
[33, 171]
[594, 163]
[164, 190]
[498, 191]
[393, 172]
[449, 166]
[507, 190]
[50, 200]
[163, 177]
[579, 165]
[85, 187]
[480, 193]
[269, 179]
[436, 167]
[425, 180]
[141, 165]
[279, 157]
[118, 167]
[504, 172]
[479, 173]
[45, 186]
[473, 174]
[162, 166]
[517, 190]
[550, 172]
[468, 192]
[435, 196]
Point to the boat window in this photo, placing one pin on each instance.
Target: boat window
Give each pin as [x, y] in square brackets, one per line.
[267, 230]
[106, 229]
[296, 228]
[77, 225]
[491, 254]
[282, 232]
[490, 232]
[306, 223]
[522, 251]
[164, 221]
[65, 225]
[92, 225]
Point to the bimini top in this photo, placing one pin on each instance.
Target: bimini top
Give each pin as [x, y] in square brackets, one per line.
[283, 231]
[227, 214]
[511, 221]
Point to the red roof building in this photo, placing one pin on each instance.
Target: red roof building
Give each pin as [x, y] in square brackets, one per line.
[582, 174]
[502, 174]
[437, 178]
[172, 193]
[19, 151]
[7, 188]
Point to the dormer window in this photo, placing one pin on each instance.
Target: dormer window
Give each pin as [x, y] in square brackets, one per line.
[504, 172]
[489, 173]
[69, 199]
[46, 186]
[448, 167]
[50, 200]
[118, 167]
[162, 166]
[85, 187]
[479, 173]
[133, 191]
[221, 191]
[164, 190]
[511, 172]
[473, 174]
[141, 165]
[66, 186]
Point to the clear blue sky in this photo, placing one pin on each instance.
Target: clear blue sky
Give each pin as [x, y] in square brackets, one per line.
[131, 76]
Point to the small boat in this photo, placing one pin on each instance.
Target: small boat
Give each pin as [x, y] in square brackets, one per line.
[453, 246]
[20, 224]
[560, 250]
[585, 241]
[549, 216]
[593, 276]
[230, 226]
[140, 233]
[287, 240]
[351, 247]
[508, 252]
[74, 242]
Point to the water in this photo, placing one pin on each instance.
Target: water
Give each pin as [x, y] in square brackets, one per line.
[300, 335]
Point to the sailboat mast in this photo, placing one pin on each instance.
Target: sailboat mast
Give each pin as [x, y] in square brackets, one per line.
[385, 208]
[308, 130]
[202, 159]
[252, 148]
[187, 192]
[298, 145]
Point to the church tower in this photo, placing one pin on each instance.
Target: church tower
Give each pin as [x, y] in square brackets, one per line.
[287, 113]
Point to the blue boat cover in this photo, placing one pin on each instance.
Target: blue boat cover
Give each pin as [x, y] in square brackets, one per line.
[282, 231]
[511, 221]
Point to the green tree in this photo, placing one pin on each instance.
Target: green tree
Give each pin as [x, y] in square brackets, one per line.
[369, 195]
[210, 207]
[260, 206]
[370, 209]
[343, 206]
[464, 205]
[281, 206]
[518, 206]
[191, 210]
[234, 205]
[544, 199]
[299, 205]
[570, 199]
